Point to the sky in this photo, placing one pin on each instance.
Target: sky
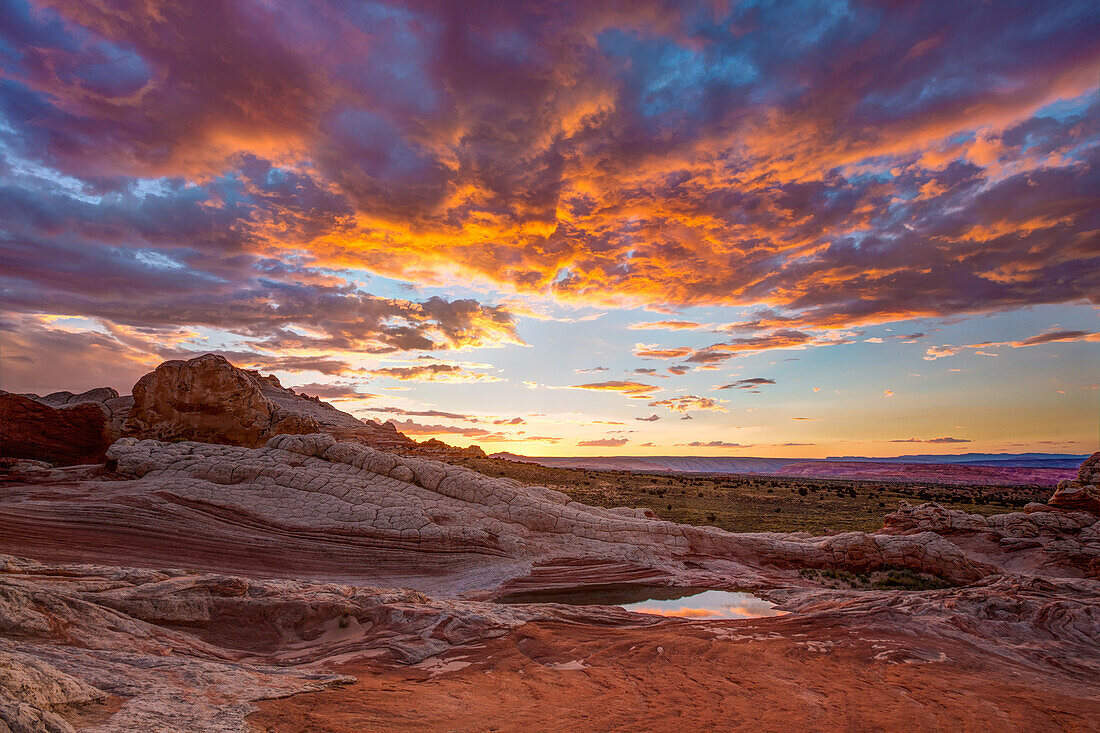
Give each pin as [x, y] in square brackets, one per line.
[570, 228]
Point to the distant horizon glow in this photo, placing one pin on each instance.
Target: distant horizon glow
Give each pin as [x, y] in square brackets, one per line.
[797, 230]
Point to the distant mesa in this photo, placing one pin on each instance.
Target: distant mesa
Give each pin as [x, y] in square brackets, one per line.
[973, 468]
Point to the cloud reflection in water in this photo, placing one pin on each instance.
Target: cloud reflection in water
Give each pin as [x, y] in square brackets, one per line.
[710, 604]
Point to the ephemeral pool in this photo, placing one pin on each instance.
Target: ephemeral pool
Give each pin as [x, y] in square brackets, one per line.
[693, 603]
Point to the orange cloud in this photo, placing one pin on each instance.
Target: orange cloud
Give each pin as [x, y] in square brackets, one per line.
[624, 386]
[657, 352]
[666, 325]
[552, 155]
[690, 403]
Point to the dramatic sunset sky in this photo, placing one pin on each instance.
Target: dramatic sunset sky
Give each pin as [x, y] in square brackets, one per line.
[715, 228]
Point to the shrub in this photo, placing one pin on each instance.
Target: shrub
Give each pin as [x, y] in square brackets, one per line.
[906, 579]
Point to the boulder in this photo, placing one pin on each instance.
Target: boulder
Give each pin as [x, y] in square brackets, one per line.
[67, 436]
[209, 400]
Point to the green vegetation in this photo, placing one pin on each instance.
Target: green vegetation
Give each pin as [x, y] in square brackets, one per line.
[743, 503]
[884, 579]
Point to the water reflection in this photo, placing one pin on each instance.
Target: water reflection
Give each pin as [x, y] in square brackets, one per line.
[710, 604]
[660, 600]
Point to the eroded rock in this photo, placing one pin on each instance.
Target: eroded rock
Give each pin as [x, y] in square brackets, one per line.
[302, 499]
[117, 406]
[193, 650]
[208, 399]
[67, 436]
[1083, 494]
[32, 691]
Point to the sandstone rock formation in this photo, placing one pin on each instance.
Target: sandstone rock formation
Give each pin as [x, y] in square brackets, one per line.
[118, 407]
[207, 399]
[1063, 544]
[309, 528]
[977, 659]
[177, 650]
[1082, 494]
[82, 638]
[189, 651]
[71, 435]
[440, 451]
[33, 690]
[376, 516]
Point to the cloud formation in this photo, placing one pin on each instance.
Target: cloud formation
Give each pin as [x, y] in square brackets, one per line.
[411, 427]
[836, 164]
[418, 413]
[333, 391]
[655, 351]
[665, 326]
[934, 441]
[690, 403]
[626, 387]
[451, 373]
[751, 383]
[1054, 336]
[1049, 337]
[603, 443]
[259, 179]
